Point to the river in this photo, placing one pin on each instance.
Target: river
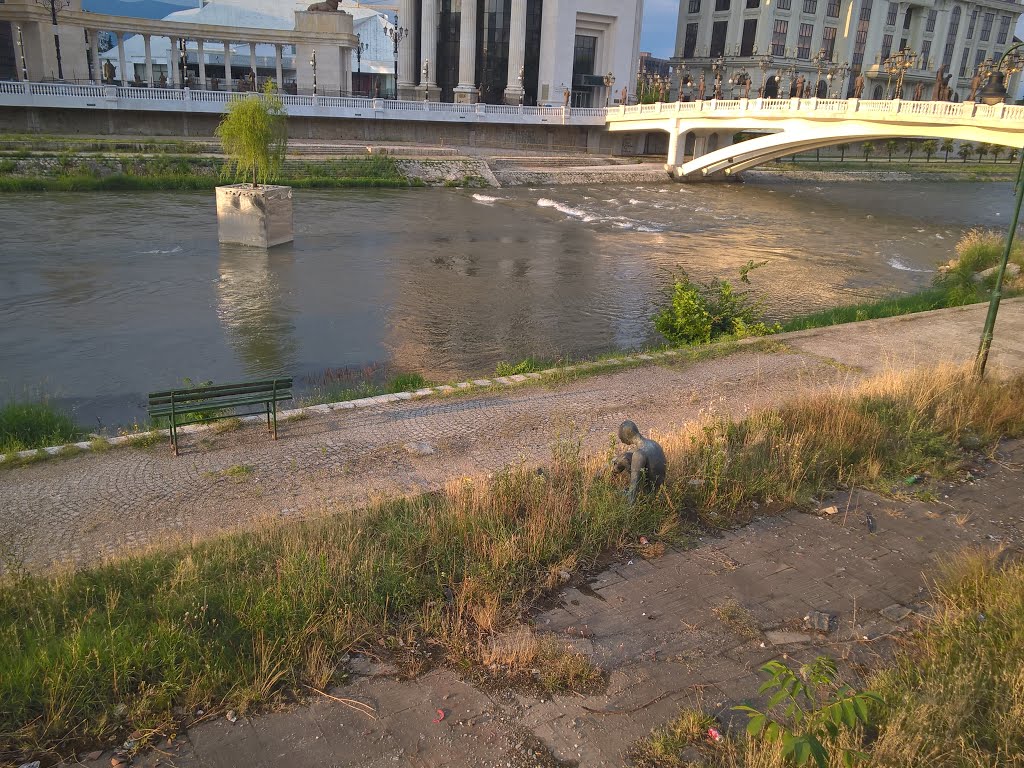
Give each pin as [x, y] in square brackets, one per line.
[106, 296]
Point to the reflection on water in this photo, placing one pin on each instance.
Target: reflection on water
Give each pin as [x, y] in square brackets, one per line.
[254, 310]
[100, 308]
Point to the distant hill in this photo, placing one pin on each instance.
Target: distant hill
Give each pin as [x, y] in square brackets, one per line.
[144, 9]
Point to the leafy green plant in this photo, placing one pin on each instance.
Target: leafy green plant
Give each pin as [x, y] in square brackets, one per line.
[698, 313]
[406, 382]
[254, 133]
[26, 425]
[814, 708]
[529, 365]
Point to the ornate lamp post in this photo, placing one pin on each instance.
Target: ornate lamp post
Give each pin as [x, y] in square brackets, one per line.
[717, 68]
[609, 81]
[837, 71]
[312, 63]
[897, 65]
[790, 73]
[425, 78]
[994, 93]
[397, 35]
[821, 62]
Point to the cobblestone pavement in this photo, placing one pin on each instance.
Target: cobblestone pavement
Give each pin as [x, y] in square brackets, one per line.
[652, 626]
[78, 510]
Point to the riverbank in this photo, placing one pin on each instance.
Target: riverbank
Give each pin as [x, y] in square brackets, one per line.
[493, 547]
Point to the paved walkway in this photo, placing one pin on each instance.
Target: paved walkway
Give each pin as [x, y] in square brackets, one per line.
[652, 626]
[77, 511]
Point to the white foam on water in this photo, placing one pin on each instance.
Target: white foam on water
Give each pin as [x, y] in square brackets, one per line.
[568, 210]
[158, 251]
[903, 266]
[940, 237]
[486, 199]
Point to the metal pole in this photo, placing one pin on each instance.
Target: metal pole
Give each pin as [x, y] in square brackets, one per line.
[997, 292]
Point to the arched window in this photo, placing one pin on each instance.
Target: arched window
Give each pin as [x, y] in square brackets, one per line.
[877, 93]
[954, 27]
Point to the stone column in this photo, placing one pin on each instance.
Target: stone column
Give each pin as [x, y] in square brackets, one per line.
[149, 60]
[407, 74]
[201, 56]
[125, 80]
[252, 66]
[428, 51]
[516, 52]
[172, 63]
[227, 66]
[279, 64]
[94, 52]
[465, 92]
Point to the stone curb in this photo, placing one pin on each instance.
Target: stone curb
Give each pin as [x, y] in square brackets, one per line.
[366, 402]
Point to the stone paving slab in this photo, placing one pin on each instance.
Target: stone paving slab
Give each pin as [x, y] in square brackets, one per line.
[80, 510]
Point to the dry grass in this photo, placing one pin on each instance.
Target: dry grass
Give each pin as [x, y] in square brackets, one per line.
[738, 618]
[241, 621]
[524, 656]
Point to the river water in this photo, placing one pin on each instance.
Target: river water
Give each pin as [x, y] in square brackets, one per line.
[106, 296]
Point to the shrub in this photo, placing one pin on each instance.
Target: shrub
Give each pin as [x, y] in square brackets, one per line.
[698, 313]
[406, 382]
[977, 250]
[529, 365]
[35, 425]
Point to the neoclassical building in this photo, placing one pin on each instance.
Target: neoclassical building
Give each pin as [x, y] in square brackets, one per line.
[815, 37]
[519, 51]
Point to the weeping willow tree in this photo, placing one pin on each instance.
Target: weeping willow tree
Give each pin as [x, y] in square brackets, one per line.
[254, 133]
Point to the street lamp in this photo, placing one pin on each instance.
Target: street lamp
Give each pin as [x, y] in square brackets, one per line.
[21, 50]
[898, 64]
[609, 81]
[994, 93]
[425, 79]
[522, 77]
[397, 35]
[312, 63]
[360, 47]
[717, 67]
[821, 61]
[764, 63]
[839, 71]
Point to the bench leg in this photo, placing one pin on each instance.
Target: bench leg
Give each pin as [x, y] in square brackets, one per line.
[174, 436]
[275, 419]
[268, 418]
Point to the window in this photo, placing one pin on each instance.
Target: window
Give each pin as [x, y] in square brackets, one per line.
[986, 26]
[929, 25]
[828, 41]
[890, 17]
[1004, 29]
[693, 7]
[907, 18]
[861, 39]
[722, 5]
[926, 54]
[963, 62]
[784, 5]
[954, 27]
[970, 26]
[719, 33]
[690, 44]
[979, 57]
[803, 42]
[779, 32]
[810, 6]
[903, 44]
[832, 9]
[886, 46]
[749, 37]
[753, 3]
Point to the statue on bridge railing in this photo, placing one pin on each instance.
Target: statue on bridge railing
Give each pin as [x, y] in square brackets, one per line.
[108, 72]
[975, 85]
[701, 87]
[858, 86]
[919, 92]
[942, 90]
[326, 6]
[800, 87]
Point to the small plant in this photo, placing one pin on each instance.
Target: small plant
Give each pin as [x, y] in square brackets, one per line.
[529, 365]
[35, 425]
[814, 708]
[698, 313]
[406, 382]
[254, 133]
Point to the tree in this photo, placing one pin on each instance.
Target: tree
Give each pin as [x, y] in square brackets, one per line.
[892, 145]
[254, 133]
[842, 152]
[909, 146]
[982, 150]
[106, 41]
[965, 151]
[1012, 157]
[995, 150]
[929, 147]
[947, 147]
[868, 148]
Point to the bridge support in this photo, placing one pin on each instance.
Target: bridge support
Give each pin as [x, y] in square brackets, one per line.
[695, 144]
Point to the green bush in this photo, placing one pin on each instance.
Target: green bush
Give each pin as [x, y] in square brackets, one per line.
[24, 426]
[698, 313]
[406, 382]
[977, 250]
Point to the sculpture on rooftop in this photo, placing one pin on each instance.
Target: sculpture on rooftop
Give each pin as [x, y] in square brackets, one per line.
[326, 6]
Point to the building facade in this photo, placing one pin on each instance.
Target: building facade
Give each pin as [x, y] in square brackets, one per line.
[773, 43]
[518, 51]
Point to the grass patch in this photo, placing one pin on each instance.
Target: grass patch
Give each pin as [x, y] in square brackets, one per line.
[339, 385]
[238, 472]
[529, 365]
[247, 619]
[25, 425]
[664, 747]
[738, 618]
[933, 298]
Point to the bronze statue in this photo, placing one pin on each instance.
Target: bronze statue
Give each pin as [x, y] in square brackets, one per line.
[566, 95]
[919, 92]
[162, 82]
[858, 86]
[746, 88]
[700, 88]
[645, 461]
[975, 85]
[939, 86]
[625, 95]
[326, 5]
[800, 86]
[947, 92]
[108, 71]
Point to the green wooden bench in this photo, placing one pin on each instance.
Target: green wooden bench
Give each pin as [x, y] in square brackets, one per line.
[223, 401]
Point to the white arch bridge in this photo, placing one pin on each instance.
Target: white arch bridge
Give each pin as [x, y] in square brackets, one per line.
[704, 130]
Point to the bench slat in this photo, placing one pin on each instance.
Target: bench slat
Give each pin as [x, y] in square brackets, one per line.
[165, 409]
[221, 389]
